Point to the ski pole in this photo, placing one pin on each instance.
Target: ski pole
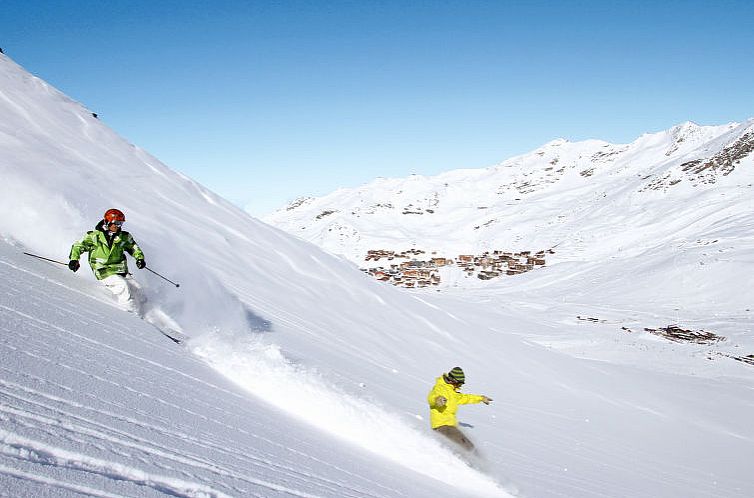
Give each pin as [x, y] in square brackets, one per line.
[46, 259]
[166, 279]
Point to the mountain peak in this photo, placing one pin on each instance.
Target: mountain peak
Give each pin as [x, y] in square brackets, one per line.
[556, 143]
[686, 125]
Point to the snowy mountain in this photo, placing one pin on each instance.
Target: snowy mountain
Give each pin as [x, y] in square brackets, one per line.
[305, 377]
[591, 200]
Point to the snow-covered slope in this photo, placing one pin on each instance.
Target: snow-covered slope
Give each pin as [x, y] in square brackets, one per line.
[329, 368]
[95, 403]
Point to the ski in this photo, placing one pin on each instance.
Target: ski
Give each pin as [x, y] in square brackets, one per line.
[174, 339]
[173, 335]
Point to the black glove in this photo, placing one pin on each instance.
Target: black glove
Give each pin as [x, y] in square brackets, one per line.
[140, 264]
[73, 264]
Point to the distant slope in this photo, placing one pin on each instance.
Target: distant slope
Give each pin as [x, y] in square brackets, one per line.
[591, 199]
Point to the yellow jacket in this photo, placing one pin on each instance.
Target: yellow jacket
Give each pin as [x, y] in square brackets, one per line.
[446, 415]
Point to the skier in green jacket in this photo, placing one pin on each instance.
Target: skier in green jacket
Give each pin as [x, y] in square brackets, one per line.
[107, 246]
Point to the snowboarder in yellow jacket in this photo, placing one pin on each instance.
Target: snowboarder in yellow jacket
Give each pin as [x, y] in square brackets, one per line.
[444, 399]
[107, 246]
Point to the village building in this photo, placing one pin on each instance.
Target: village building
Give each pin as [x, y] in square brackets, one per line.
[422, 273]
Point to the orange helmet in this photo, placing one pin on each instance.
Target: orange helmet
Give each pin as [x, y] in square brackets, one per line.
[112, 215]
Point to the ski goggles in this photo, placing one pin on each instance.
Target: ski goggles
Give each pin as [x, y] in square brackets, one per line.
[117, 223]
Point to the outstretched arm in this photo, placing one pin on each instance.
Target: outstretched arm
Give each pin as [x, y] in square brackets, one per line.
[468, 399]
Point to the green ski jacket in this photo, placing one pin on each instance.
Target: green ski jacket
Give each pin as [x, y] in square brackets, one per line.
[106, 258]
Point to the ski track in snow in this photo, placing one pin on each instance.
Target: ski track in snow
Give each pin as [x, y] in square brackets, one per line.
[128, 444]
[53, 483]
[37, 452]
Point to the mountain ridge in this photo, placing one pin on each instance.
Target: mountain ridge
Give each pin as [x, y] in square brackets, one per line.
[520, 204]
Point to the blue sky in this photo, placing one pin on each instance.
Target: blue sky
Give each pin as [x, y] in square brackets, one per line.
[267, 101]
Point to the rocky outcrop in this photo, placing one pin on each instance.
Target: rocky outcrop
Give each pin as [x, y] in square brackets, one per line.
[723, 163]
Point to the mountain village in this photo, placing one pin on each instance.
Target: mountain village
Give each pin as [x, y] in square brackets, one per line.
[418, 271]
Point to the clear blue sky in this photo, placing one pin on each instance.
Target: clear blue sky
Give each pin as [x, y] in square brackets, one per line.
[265, 101]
